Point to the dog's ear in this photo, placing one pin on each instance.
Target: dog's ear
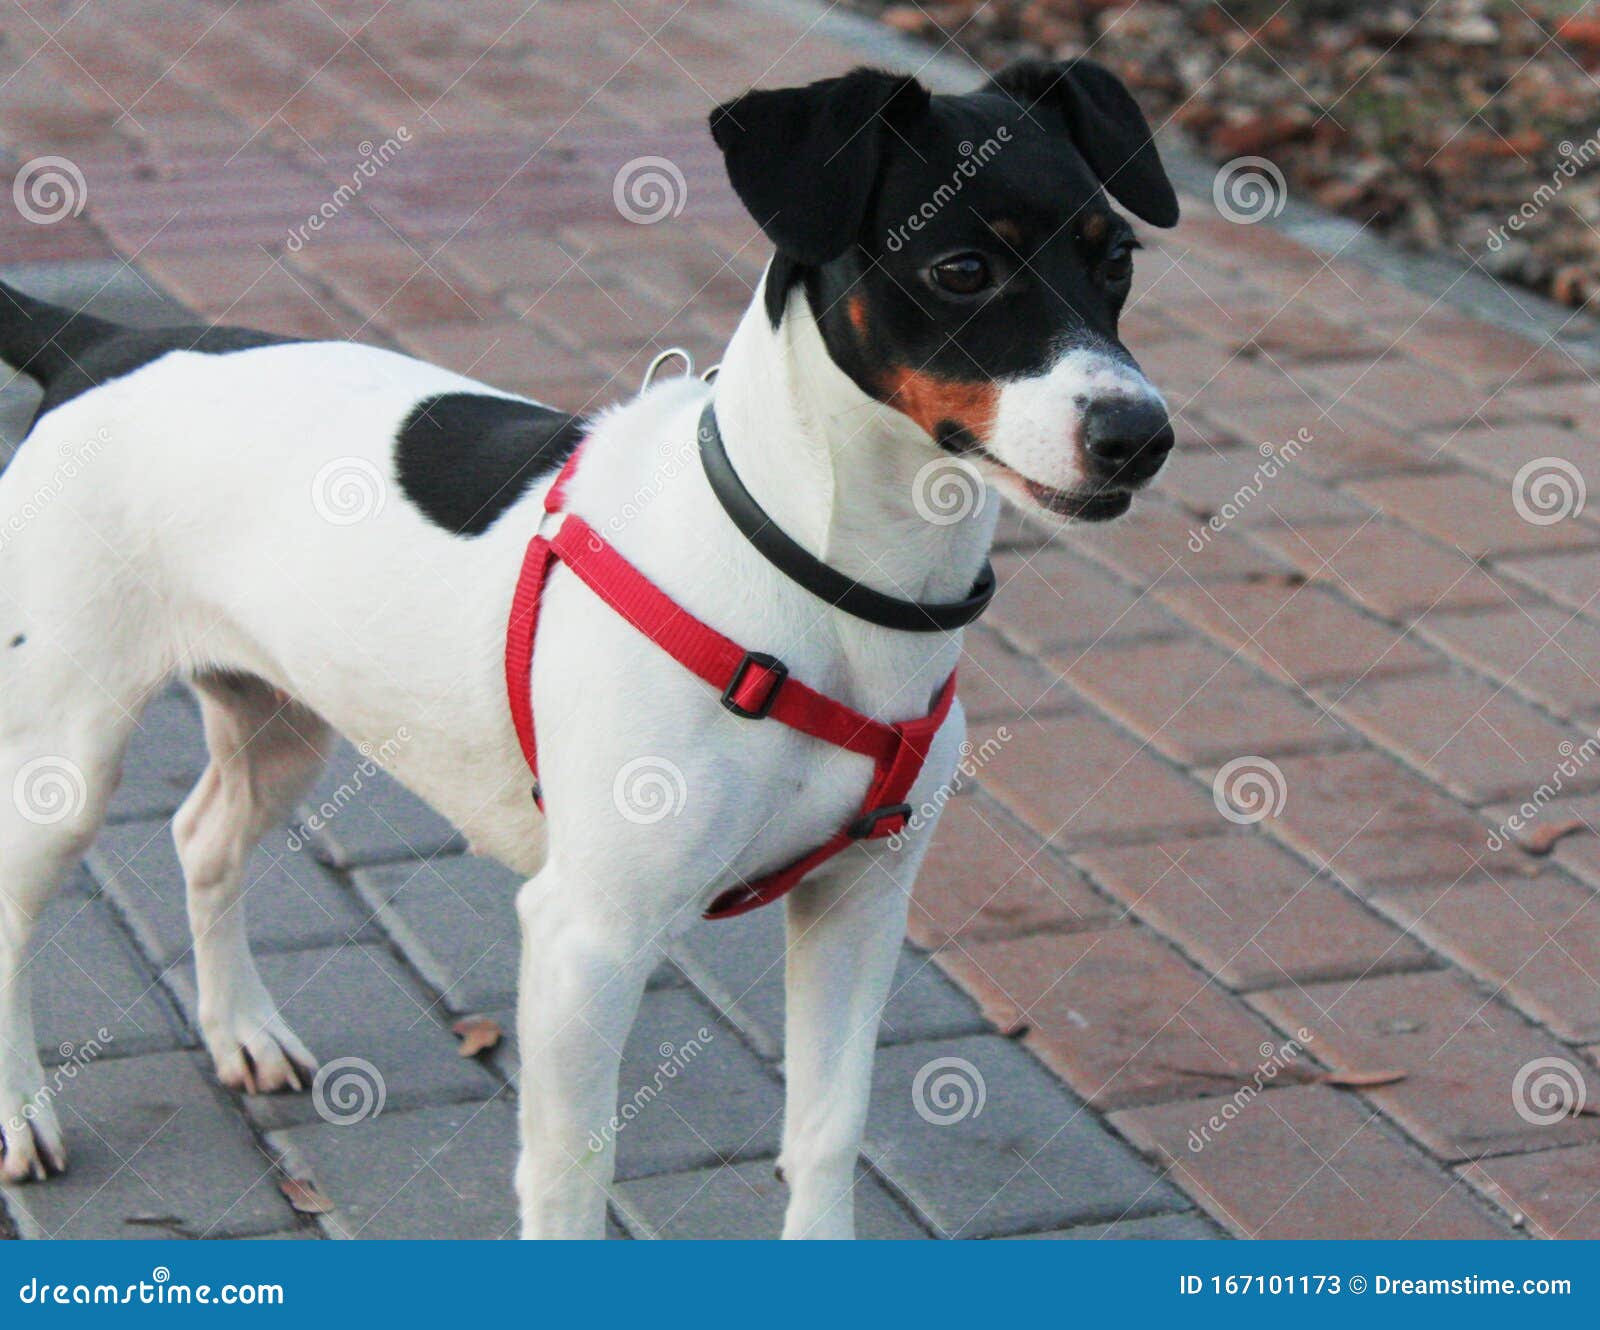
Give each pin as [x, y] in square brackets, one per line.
[804, 160]
[1105, 125]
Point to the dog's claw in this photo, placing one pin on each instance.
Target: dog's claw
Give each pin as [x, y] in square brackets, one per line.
[32, 1151]
[266, 1060]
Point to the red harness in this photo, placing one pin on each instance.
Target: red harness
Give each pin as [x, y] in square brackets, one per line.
[753, 685]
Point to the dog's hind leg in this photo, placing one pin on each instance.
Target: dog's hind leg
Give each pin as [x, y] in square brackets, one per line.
[266, 750]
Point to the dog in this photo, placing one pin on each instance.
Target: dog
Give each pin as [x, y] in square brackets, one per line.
[920, 311]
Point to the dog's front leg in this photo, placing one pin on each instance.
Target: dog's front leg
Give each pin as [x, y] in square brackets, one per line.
[583, 973]
[845, 928]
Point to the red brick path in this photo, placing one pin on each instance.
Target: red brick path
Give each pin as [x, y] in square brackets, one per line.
[1406, 655]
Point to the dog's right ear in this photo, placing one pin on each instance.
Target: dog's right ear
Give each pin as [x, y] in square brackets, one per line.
[804, 160]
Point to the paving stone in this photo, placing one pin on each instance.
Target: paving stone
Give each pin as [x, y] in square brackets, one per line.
[1472, 513]
[1108, 789]
[1382, 566]
[1014, 1153]
[86, 977]
[1568, 579]
[1502, 449]
[359, 815]
[1306, 1162]
[163, 760]
[999, 683]
[1461, 1051]
[1548, 655]
[1556, 1192]
[742, 1201]
[738, 965]
[108, 288]
[1536, 942]
[1300, 634]
[987, 875]
[355, 1002]
[1156, 544]
[1472, 738]
[1160, 1228]
[1249, 912]
[1344, 441]
[289, 899]
[1231, 486]
[1115, 1012]
[1053, 599]
[1394, 389]
[154, 1153]
[1197, 704]
[434, 1173]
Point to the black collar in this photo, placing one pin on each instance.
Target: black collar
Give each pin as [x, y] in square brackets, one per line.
[810, 572]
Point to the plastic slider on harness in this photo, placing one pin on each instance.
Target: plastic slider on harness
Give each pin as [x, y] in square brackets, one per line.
[754, 685]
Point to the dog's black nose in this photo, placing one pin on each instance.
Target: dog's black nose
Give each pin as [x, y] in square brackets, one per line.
[1127, 437]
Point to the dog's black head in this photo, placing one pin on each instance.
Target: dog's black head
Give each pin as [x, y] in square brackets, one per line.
[965, 265]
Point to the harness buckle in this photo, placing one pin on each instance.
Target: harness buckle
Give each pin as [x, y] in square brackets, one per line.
[865, 827]
[734, 696]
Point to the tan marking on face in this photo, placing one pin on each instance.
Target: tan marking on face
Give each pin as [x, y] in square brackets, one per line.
[1008, 231]
[856, 308]
[930, 400]
[1095, 227]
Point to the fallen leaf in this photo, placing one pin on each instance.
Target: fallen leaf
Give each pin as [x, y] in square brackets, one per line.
[1542, 839]
[478, 1034]
[1363, 1080]
[304, 1198]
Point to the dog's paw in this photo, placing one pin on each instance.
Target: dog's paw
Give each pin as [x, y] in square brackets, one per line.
[261, 1057]
[31, 1146]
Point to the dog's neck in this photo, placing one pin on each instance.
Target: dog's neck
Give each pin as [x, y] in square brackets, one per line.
[837, 470]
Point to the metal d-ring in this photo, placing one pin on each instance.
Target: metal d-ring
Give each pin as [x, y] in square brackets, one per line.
[710, 376]
[671, 353]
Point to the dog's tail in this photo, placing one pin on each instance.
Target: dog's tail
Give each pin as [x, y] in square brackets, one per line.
[44, 340]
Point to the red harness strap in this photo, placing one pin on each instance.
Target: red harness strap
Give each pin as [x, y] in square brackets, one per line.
[753, 685]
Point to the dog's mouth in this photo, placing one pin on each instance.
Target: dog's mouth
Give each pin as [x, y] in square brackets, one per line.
[1092, 506]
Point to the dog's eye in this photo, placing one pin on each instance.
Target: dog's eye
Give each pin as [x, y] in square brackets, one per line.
[1117, 267]
[962, 275]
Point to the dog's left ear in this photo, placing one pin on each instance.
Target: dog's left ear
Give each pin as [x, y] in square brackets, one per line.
[1105, 125]
[804, 160]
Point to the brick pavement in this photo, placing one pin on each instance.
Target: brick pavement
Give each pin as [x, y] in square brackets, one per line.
[1386, 645]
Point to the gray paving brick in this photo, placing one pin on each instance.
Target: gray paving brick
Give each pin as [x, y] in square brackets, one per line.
[153, 1153]
[106, 287]
[738, 964]
[742, 1201]
[1030, 1159]
[1163, 1228]
[454, 917]
[290, 900]
[87, 977]
[435, 1173]
[164, 759]
[359, 814]
[356, 1002]
[18, 401]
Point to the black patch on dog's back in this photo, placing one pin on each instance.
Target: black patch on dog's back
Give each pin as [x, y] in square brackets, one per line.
[464, 458]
